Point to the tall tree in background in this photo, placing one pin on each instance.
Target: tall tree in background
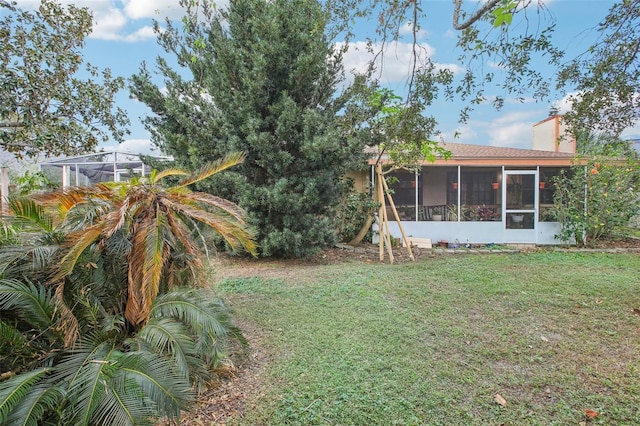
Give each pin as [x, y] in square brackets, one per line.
[263, 79]
[602, 83]
[49, 102]
[607, 76]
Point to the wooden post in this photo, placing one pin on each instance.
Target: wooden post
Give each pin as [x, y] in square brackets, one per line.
[383, 226]
[385, 232]
[407, 243]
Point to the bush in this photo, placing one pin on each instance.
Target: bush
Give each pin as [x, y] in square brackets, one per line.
[352, 214]
[596, 199]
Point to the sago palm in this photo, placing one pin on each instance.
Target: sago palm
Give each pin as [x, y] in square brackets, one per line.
[99, 331]
[159, 224]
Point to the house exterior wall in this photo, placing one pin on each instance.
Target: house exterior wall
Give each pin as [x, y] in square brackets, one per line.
[360, 180]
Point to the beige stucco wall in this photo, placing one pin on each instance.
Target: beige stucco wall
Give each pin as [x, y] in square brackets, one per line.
[551, 135]
[360, 180]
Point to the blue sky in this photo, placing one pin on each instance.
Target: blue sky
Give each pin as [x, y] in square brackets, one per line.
[123, 38]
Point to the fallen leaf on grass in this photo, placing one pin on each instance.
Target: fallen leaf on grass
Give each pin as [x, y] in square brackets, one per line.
[636, 311]
[500, 400]
[591, 414]
[598, 301]
[544, 339]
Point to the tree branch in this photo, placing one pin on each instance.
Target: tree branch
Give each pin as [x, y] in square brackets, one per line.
[457, 4]
[10, 124]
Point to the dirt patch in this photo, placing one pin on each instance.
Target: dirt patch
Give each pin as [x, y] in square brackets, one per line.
[228, 396]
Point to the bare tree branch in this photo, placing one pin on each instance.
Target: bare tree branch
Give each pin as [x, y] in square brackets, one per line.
[457, 4]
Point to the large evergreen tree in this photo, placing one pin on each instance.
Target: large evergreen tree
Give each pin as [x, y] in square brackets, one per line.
[259, 77]
[52, 102]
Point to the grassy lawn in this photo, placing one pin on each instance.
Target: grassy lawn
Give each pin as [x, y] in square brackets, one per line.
[433, 342]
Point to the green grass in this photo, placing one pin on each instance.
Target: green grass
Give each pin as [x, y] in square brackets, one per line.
[432, 342]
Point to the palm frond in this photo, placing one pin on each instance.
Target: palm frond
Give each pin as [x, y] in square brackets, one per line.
[188, 248]
[123, 405]
[147, 259]
[235, 233]
[10, 338]
[26, 259]
[204, 316]
[213, 201]
[31, 302]
[30, 215]
[13, 390]
[41, 400]
[67, 320]
[16, 350]
[87, 214]
[173, 171]
[211, 169]
[156, 254]
[84, 371]
[81, 240]
[158, 381]
[170, 337]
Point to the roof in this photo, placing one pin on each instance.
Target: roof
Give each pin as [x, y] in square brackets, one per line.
[484, 155]
[102, 157]
[99, 167]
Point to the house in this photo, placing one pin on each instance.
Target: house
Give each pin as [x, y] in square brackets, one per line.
[484, 194]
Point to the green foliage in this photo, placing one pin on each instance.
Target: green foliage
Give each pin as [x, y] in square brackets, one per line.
[503, 15]
[103, 330]
[31, 182]
[596, 198]
[45, 105]
[605, 79]
[404, 130]
[353, 212]
[263, 79]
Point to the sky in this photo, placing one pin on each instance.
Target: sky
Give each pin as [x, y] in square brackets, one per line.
[123, 38]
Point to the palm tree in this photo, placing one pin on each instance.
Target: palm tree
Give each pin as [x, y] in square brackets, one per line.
[159, 224]
[104, 330]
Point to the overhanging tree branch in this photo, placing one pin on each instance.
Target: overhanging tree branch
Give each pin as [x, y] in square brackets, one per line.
[457, 4]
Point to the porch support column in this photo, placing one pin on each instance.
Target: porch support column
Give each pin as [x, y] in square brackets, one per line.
[4, 188]
[66, 176]
[416, 194]
[458, 194]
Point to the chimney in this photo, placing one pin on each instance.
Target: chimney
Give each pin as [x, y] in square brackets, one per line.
[550, 135]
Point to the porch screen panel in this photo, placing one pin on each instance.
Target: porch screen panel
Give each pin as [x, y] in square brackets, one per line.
[403, 184]
[476, 188]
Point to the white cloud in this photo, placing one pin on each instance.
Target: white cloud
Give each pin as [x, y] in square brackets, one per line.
[395, 65]
[450, 34]
[108, 22]
[144, 33]
[564, 105]
[512, 135]
[407, 30]
[134, 146]
[512, 129]
[631, 132]
[157, 9]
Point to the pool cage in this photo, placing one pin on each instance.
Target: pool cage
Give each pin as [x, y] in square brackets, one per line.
[89, 169]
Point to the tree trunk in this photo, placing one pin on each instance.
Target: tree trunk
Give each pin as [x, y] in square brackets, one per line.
[363, 231]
